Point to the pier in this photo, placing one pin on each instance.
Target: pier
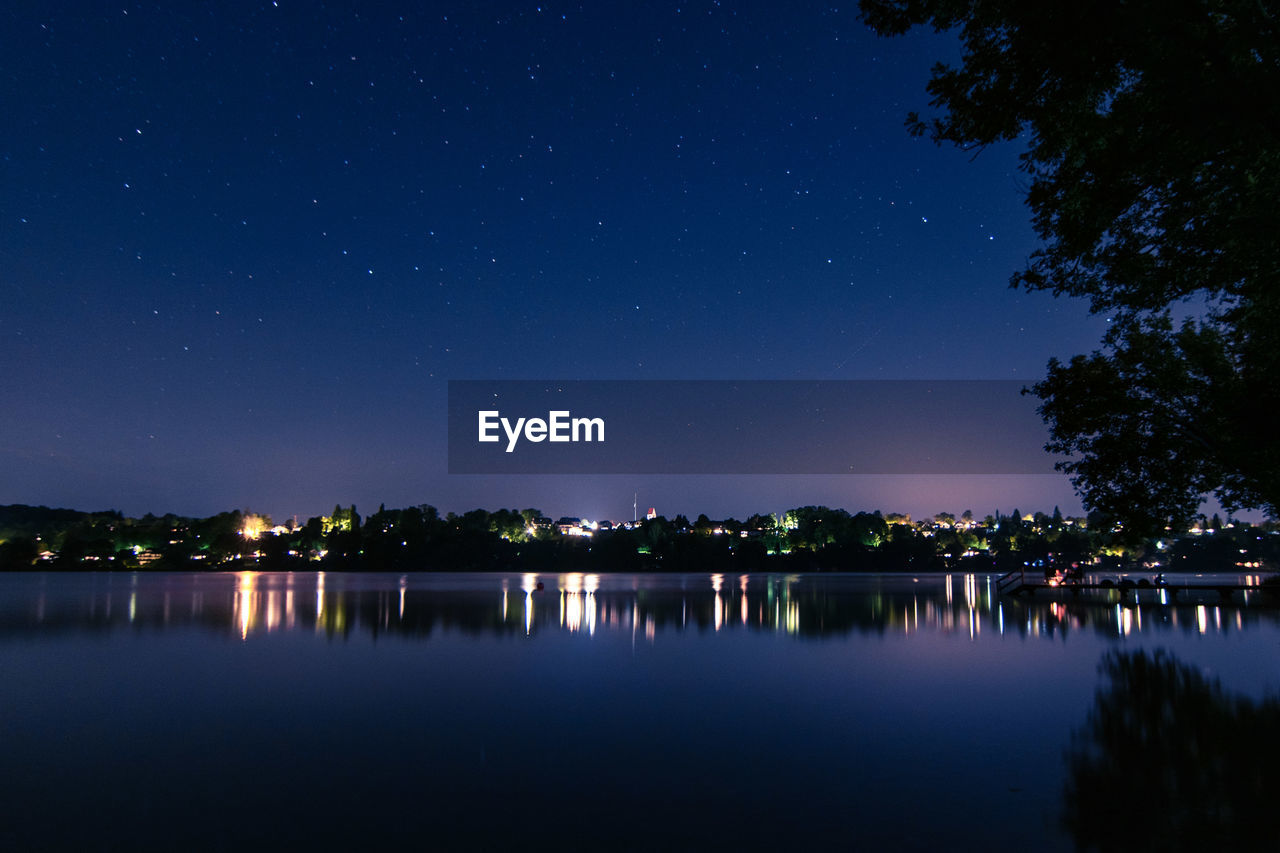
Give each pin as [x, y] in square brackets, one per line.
[1019, 583]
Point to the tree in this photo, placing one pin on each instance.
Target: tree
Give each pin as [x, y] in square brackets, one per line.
[1153, 152]
[869, 530]
[18, 554]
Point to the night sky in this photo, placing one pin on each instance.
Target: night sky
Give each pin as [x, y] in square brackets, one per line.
[244, 245]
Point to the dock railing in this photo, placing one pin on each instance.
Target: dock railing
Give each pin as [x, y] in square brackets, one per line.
[1011, 581]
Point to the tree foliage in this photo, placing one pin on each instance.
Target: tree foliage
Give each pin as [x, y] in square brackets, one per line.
[1152, 134]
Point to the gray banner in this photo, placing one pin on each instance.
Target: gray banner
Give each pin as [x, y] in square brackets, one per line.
[744, 427]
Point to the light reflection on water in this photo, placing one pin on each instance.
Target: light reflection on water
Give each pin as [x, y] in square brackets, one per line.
[822, 704]
[251, 603]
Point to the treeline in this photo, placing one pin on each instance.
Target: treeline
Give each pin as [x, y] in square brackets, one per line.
[418, 538]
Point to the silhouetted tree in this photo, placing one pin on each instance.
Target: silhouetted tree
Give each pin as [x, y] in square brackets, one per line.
[18, 554]
[1153, 153]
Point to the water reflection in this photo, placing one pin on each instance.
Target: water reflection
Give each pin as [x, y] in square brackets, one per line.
[1168, 760]
[252, 603]
[577, 602]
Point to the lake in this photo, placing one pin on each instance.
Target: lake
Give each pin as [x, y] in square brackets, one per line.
[649, 712]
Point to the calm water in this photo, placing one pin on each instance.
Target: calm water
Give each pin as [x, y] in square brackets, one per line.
[323, 711]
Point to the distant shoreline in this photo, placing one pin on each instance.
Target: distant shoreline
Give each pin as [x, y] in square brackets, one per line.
[804, 539]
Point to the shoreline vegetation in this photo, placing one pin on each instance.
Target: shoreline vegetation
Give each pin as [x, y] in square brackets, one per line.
[811, 538]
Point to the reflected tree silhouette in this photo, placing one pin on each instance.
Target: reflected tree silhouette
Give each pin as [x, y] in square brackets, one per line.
[1169, 760]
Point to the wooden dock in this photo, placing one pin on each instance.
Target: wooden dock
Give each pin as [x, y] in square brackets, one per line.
[1019, 583]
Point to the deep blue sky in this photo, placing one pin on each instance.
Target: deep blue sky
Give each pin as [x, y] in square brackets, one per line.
[243, 245]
